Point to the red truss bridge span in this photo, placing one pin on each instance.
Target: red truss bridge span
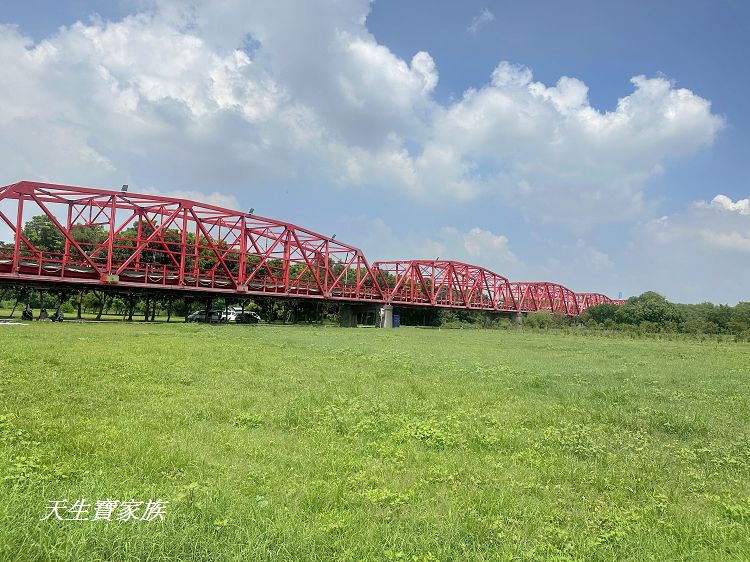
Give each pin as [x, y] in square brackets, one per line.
[126, 242]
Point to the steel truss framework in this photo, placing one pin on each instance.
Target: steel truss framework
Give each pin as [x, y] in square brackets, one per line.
[133, 241]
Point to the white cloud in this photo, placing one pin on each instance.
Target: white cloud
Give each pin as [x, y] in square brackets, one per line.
[507, 74]
[96, 102]
[326, 59]
[741, 206]
[575, 163]
[476, 245]
[480, 244]
[546, 150]
[167, 87]
[213, 198]
[591, 258]
[721, 224]
[321, 99]
[695, 255]
[480, 20]
[727, 240]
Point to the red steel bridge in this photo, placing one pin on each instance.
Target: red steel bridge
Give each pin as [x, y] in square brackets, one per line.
[127, 241]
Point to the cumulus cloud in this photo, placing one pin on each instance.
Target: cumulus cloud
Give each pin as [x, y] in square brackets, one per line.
[174, 85]
[722, 202]
[174, 91]
[547, 150]
[480, 20]
[326, 59]
[97, 102]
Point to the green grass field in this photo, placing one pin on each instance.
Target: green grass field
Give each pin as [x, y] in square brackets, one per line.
[310, 444]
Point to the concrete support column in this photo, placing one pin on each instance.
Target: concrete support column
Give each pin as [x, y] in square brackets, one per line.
[518, 319]
[388, 316]
[347, 316]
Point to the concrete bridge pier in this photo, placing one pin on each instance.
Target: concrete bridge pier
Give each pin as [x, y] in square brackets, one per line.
[352, 315]
[347, 316]
[386, 317]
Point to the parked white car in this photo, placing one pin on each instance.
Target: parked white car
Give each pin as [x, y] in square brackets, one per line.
[229, 314]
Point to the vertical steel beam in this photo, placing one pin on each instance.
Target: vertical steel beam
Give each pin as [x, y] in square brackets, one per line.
[138, 235]
[66, 251]
[285, 262]
[183, 245]
[242, 265]
[19, 229]
[111, 239]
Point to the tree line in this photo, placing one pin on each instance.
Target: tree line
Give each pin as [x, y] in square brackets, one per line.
[101, 304]
[651, 312]
[647, 313]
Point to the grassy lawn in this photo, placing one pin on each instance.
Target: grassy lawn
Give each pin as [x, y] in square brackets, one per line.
[307, 444]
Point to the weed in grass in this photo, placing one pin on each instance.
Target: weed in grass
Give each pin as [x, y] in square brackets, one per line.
[248, 420]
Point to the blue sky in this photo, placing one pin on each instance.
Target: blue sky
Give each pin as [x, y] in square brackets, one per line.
[513, 135]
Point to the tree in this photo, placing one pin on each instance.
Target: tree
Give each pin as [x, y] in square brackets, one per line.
[44, 235]
[545, 319]
[60, 297]
[95, 300]
[652, 307]
[79, 304]
[23, 295]
[6, 248]
[88, 235]
[602, 313]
